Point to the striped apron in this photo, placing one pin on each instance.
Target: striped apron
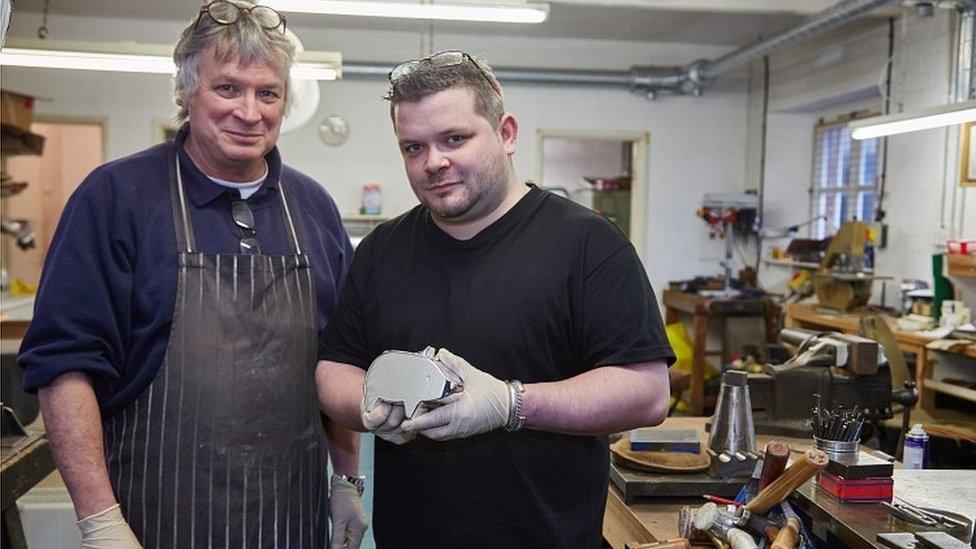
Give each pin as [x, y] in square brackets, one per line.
[225, 448]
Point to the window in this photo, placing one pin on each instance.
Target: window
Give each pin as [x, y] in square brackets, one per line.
[845, 177]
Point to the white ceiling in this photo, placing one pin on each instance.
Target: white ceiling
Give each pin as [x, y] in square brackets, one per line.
[720, 22]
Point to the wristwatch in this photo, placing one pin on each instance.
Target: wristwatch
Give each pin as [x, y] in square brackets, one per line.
[358, 481]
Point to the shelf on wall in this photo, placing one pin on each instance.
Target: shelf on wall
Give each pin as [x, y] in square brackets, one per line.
[17, 141]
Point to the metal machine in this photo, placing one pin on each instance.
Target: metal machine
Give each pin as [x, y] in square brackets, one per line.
[840, 370]
[724, 213]
[843, 280]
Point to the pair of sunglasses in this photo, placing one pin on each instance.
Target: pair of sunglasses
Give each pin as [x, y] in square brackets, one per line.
[228, 13]
[244, 219]
[440, 59]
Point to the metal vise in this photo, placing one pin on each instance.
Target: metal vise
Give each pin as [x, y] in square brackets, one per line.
[845, 370]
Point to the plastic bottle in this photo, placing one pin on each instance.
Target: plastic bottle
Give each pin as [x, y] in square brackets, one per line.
[372, 199]
[916, 454]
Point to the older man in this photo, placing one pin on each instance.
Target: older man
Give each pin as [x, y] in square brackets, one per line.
[174, 341]
[548, 316]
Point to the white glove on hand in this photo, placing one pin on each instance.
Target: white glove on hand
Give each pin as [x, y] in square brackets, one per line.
[107, 530]
[481, 407]
[347, 515]
[384, 421]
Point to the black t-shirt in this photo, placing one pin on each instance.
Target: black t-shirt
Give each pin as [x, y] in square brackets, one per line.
[547, 292]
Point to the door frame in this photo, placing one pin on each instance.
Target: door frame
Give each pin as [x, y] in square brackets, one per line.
[640, 146]
[72, 119]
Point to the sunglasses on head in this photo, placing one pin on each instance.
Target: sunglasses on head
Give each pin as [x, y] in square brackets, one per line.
[440, 59]
[223, 12]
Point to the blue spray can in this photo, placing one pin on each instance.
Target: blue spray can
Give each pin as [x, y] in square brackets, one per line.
[916, 454]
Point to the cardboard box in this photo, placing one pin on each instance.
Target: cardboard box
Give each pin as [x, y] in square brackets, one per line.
[16, 109]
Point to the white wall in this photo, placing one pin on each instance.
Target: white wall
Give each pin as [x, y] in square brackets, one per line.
[922, 165]
[838, 74]
[697, 144]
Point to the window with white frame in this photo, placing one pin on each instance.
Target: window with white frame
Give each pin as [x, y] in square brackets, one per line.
[845, 177]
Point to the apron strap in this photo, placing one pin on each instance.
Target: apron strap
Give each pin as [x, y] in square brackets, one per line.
[288, 219]
[181, 220]
[185, 239]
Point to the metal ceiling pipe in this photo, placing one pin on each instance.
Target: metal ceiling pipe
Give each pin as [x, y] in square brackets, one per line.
[650, 80]
[814, 25]
[622, 78]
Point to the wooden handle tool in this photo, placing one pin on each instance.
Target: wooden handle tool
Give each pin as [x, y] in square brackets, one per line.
[677, 543]
[774, 462]
[788, 535]
[802, 470]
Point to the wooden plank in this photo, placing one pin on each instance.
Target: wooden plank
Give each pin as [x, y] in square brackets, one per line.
[13, 529]
[620, 526]
[950, 389]
[682, 301]
[13, 329]
[20, 471]
[700, 337]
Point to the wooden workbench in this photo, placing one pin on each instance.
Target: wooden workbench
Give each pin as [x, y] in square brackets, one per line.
[852, 525]
[652, 519]
[701, 310]
[21, 467]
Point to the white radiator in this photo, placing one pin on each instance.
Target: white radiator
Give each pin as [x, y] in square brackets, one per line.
[48, 518]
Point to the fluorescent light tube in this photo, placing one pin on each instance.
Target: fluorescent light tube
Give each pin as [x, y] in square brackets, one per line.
[459, 11]
[123, 62]
[936, 117]
[55, 59]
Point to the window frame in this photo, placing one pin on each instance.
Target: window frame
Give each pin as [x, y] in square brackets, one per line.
[851, 195]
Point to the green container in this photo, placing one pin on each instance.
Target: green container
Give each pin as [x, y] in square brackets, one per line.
[942, 286]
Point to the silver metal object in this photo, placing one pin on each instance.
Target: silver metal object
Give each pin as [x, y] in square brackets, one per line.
[838, 449]
[410, 379]
[732, 428]
[714, 520]
[19, 230]
[908, 515]
[732, 439]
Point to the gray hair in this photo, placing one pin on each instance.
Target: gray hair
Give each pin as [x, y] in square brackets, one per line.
[244, 40]
[472, 73]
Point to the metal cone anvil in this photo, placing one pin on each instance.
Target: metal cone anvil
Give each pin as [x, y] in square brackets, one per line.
[732, 439]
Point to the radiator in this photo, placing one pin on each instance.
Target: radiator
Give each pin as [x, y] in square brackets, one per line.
[48, 518]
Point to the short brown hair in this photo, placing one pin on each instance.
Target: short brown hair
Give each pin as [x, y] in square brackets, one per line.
[427, 79]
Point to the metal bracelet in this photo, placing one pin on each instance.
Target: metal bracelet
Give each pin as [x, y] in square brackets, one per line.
[515, 417]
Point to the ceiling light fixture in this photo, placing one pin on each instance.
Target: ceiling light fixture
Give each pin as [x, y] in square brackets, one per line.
[141, 58]
[499, 12]
[935, 117]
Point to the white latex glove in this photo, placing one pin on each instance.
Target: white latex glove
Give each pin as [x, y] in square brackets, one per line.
[347, 514]
[107, 530]
[384, 421]
[481, 407]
